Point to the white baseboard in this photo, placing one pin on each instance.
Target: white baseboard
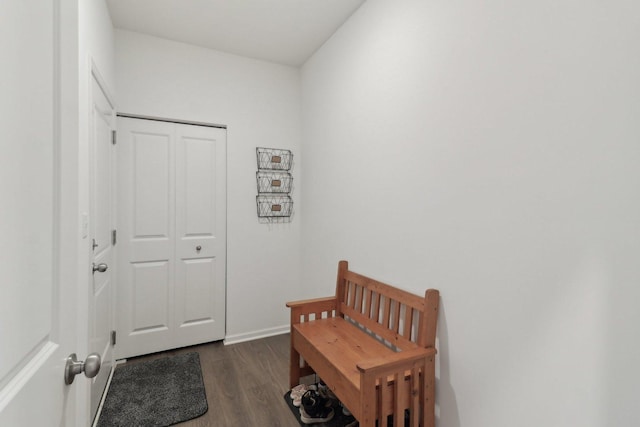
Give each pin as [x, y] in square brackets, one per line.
[262, 333]
[104, 395]
[106, 390]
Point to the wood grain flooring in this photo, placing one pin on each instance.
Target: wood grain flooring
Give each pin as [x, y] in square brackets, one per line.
[244, 382]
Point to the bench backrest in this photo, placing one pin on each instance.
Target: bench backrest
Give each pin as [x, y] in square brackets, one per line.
[400, 319]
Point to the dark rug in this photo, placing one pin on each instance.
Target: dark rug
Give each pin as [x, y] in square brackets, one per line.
[339, 419]
[159, 392]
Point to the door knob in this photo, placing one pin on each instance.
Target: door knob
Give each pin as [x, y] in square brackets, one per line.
[198, 248]
[73, 367]
[100, 268]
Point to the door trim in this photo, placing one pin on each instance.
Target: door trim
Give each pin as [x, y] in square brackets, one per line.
[96, 75]
[164, 119]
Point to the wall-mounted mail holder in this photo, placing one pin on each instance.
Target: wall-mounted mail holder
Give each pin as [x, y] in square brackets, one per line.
[274, 159]
[274, 206]
[274, 184]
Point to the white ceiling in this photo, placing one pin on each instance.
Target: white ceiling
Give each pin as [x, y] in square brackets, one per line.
[282, 31]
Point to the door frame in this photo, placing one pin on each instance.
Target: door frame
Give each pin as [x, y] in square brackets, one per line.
[96, 75]
[119, 262]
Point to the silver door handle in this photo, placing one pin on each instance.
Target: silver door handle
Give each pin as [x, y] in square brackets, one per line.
[73, 367]
[100, 268]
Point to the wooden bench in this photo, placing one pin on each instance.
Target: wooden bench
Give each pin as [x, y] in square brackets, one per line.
[374, 347]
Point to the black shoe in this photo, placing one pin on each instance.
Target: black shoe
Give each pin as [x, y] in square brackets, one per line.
[314, 408]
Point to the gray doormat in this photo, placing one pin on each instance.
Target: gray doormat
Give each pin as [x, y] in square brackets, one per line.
[159, 392]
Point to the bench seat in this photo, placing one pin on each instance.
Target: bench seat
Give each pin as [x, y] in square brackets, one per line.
[340, 345]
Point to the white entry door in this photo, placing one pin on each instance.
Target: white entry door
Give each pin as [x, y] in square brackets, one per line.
[39, 223]
[171, 235]
[102, 191]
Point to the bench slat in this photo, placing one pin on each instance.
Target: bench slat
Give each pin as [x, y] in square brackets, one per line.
[386, 316]
[394, 293]
[398, 398]
[375, 312]
[408, 322]
[393, 338]
[415, 397]
[358, 305]
[396, 317]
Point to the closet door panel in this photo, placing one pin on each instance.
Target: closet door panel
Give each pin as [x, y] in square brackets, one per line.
[146, 236]
[201, 233]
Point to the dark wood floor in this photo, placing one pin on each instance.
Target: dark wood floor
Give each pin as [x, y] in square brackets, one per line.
[244, 383]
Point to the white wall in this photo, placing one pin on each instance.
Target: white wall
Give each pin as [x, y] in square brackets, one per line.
[491, 150]
[260, 104]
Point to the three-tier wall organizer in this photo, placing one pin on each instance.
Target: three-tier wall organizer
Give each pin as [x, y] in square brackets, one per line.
[274, 182]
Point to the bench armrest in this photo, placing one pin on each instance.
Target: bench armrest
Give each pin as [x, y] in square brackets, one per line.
[301, 310]
[394, 361]
[310, 302]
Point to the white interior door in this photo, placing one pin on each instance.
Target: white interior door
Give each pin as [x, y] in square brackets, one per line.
[200, 279]
[38, 224]
[172, 235]
[101, 296]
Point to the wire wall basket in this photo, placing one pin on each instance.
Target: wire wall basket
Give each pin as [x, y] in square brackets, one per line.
[274, 182]
[274, 159]
[274, 206]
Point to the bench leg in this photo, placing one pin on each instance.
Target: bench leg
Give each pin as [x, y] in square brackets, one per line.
[368, 401]
[368, 422]
[294, 367]
[428, 393]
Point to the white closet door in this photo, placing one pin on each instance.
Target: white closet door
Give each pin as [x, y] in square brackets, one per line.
[200, 234]
[172, 200]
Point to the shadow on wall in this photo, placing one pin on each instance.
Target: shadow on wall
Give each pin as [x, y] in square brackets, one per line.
[446, 402]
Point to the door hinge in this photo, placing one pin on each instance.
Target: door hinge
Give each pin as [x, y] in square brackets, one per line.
[113, 337]
[113, 137]
[113, 237]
